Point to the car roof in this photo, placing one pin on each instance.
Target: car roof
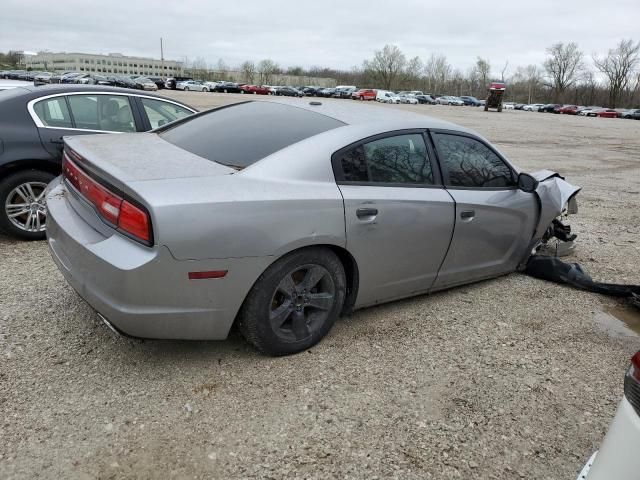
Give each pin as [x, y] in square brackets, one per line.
[357, 114]
[31, 92]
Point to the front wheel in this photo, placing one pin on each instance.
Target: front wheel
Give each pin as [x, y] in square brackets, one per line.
[294, 303]
[24, 211]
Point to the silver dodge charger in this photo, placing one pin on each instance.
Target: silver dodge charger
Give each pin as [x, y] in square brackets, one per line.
[283, 215]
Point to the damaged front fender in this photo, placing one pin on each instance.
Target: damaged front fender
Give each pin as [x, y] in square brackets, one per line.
[556, 196]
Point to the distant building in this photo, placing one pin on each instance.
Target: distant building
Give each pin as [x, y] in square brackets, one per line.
[113, 63]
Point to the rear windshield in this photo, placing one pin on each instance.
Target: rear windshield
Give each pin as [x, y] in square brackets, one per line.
[242, 134]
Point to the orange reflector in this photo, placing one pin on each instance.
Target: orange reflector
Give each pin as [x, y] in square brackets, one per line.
[207, 274]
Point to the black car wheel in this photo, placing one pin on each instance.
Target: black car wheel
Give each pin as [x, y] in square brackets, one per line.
[24, 212]
[294, 303]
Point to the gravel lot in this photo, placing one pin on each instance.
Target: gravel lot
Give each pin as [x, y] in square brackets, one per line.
[509, 378]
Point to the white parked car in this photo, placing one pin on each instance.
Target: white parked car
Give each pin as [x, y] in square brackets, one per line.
[533, 107]
[618, 458]
[191, 85]
[449, 100]
[408, 99]
[509, 106]
[386, 96]
[586, 111]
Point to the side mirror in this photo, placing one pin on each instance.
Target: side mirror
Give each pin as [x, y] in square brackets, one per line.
[527, 183]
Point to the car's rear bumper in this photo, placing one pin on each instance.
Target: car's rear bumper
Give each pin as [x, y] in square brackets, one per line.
[618, 457]
[144, 292]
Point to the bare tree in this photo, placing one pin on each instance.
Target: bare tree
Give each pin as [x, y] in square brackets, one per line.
[437, 71]
[222, 68]
[413, 72]
[386, 65]
[267, 69]
[532, 78]
[618, 66]
[484, 71]
[563, 66]
[504, 70]
[248, 70]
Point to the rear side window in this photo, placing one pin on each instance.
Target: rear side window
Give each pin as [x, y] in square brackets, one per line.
[398, 159]
[161, 113]
[111, 113]
[242, 134]
[469, 163]
[53, 113]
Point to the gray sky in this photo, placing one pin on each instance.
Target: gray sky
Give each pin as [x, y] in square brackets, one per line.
[337, 34]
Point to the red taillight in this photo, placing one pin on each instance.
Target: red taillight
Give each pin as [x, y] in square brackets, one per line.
[120, 213]
[634, 370]
[135, 221]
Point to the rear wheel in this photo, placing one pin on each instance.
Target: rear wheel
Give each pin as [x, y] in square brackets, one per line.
[24, 212]
[294, 303]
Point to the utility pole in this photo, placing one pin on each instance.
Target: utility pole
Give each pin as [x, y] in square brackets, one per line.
[162, 75]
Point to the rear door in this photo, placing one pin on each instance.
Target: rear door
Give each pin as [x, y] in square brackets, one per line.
[494, 220]
[82, 114]
[398, 217]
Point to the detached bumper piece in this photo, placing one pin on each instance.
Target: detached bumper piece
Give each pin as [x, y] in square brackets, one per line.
[555, 270]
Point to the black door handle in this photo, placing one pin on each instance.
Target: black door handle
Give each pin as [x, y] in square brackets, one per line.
[467, 214]
[366, 212]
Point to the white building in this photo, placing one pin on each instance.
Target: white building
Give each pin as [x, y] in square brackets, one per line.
[113, 63]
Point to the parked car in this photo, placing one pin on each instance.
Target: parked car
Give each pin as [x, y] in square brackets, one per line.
[227, 87]
[158, 81]
[617, 457]
[146, 83]
[326, 92]
[172, 82]
[519, 106]
[584, 111]
[549, 107]
[271, 230]
[288, 92]
[533, 107]
[69, 77]
[449, 100]
[123, 81]
[344, 92]
[425, 99]
[509, 105]
[469, 100]
[569, 109]
[42, 78]
[603, 112]
[407, 99]
[33, 121]
[311, 91]
[632, 114]
[385, 96]
[94, 79]
[255, 89]
[364, 94]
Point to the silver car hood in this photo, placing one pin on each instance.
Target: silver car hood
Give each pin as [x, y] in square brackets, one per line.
[138, 157]
[554, 194]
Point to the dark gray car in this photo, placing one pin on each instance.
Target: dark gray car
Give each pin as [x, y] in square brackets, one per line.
[33, 121]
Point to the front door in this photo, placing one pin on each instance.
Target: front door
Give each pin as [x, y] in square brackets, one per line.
[399, 219]
[494, 220]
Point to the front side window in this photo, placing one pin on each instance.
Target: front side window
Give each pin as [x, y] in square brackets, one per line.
[467, 162]
[110, 113]
[399, 159]
[161, 113]
[53, 113]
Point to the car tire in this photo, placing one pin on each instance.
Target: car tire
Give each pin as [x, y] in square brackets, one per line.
[37, 179]
[278, 316]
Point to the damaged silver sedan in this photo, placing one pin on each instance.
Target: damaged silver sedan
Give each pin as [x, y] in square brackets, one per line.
[283, 215]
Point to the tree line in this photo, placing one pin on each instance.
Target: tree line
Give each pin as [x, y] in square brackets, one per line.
[565, 76]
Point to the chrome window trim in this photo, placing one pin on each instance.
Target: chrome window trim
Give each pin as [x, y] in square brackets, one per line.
[39, 124]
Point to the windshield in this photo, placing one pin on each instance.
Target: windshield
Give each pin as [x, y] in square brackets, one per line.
[240, 135]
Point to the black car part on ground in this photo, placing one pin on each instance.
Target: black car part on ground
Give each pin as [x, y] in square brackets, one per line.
[555, 270]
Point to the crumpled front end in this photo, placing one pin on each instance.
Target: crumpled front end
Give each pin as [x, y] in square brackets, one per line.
[557, 199]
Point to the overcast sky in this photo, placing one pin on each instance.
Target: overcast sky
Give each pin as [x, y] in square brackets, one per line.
[325, 33]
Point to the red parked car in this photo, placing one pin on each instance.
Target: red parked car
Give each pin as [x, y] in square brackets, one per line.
[569, 109]
[605, 113]
[255, 89]
[364, 94]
